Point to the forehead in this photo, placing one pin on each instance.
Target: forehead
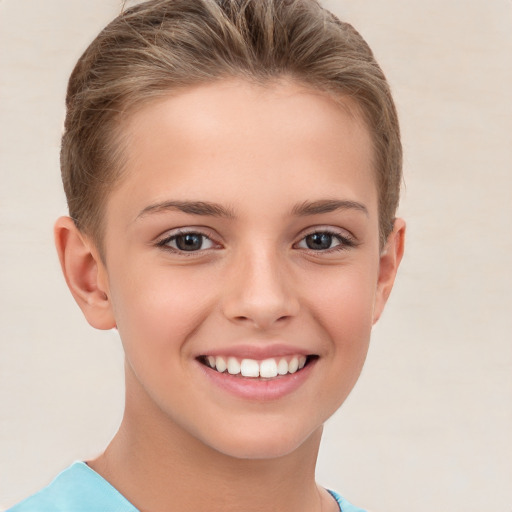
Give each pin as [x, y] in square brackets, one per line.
[236, 136]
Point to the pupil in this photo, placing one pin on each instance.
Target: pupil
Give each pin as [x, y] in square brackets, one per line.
[189, 242]
[318, 241]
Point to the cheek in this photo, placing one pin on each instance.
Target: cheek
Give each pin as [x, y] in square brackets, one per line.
[158, 310]
[344, 306]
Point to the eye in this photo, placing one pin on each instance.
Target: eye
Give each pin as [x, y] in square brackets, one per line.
[324, 241]
[187, 242]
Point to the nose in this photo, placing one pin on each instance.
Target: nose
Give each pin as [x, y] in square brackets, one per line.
[260, 292]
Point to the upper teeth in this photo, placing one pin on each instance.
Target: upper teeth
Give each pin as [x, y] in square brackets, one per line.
[267, 368]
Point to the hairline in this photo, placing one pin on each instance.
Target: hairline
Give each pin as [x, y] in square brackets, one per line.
[119, 140]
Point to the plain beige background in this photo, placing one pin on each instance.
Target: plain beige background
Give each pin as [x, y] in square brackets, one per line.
[429, 425]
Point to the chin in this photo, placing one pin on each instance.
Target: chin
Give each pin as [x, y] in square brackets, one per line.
[265, 444]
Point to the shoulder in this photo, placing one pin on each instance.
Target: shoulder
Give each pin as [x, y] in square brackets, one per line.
[344, 505]
[78, 488]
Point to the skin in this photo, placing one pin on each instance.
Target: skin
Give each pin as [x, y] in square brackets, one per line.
[259, 154]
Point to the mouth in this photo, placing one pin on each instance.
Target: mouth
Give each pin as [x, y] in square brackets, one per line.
[270, 368]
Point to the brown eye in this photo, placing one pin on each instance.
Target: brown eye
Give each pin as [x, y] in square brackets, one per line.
[189, 242]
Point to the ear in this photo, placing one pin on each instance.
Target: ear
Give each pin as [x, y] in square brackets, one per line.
[390, 259]
[85, 273]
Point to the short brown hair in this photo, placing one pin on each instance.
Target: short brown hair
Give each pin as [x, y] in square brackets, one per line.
[161, 45]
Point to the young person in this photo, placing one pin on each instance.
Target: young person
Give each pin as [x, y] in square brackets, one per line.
[232, 170]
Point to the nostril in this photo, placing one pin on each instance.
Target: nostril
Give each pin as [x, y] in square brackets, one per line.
[261, 321]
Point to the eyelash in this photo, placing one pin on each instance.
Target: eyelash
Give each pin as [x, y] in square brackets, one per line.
[164, 243]
[344, 244]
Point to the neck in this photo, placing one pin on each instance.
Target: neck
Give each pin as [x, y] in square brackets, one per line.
[157, 466]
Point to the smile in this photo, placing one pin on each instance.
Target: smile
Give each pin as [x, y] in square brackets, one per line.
[252, 368]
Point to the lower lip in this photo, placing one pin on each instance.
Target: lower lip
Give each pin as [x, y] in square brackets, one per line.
[259, 389]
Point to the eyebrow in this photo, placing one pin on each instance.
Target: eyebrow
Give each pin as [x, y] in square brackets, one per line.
[193, 207]
[209, 209]
[327, 206]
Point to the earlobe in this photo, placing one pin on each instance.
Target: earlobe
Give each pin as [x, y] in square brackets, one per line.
[85, 273]
[390, 259]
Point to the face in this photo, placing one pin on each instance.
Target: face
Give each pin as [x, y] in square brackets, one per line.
[242, 263]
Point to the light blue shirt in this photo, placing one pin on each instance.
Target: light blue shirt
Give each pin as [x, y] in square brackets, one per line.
[81, 489]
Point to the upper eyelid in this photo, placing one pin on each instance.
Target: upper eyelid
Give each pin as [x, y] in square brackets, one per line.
[163, 243]
[341, 232]
[172, 233]
[208, 233]
[345, 238]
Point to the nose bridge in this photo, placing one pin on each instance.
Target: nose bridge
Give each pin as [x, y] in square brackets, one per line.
[261, 291]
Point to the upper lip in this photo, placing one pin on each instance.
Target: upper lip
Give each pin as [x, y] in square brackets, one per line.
[257, 352]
